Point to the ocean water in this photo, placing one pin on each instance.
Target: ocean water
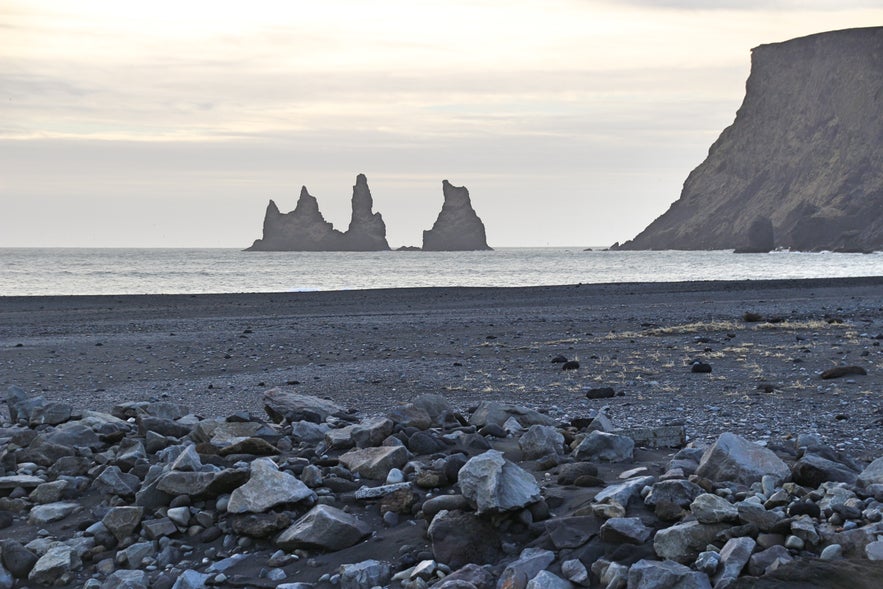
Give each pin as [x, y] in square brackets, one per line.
[36, 271]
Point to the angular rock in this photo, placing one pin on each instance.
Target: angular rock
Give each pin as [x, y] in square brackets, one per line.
[282, 405]
[17, 559]
[460, 538]
[872, 474]
[323, 527]
[267, 487]
[629, 530]
[813, 470]
[651, 574]
[605, 447]
[712, 509]
[368, 573]
[52, 512]
[371, 432]
[683, 542]
[734, 556]
[122, 521]
[57, 561]
[624, 492]
[733, 458]
[495, 413]
[126, 579]
[495, 484]
[530, 562]
[548, 580]
[540, 441]
[375, 463]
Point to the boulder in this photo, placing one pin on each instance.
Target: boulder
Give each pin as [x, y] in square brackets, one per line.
[605, 447]
[713, 509]
[266, 488]
[733, 458]
[683, 542]
[324, 528]
[495, 413]
[540, 441]
[494, 484]
[375, 463]
[530, 562]
[628, 530]
[651, 574]
[458, 538]
[282, 405]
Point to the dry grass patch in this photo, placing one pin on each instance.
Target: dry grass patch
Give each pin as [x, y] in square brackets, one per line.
[698, 327]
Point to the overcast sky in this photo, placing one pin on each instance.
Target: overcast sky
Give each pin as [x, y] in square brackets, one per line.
[572, 122]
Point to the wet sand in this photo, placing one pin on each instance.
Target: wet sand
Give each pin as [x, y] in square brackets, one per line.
[369, 350]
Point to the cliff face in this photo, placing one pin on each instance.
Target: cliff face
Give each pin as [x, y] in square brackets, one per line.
[803, 155]
[457, 227]
[305, 229]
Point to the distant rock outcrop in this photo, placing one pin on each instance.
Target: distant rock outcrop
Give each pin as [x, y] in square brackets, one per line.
[305, 229]
[800, 166]
[367, 231]
[457, 227]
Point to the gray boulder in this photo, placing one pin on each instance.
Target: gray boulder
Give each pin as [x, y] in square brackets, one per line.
[548, 580]
[458, 538]
[57, 561]
[375, 463]
[713, 509]
[266, 488]
[368, 573]
[651, 574]
[872, 474]
[733, 458]
[282, 405]
[495, 413]
[530, 562]
[734, 556]
[494, 484]
[683, 542]
[606, 447]
[323, 527]
[540, 441]
[627, 530]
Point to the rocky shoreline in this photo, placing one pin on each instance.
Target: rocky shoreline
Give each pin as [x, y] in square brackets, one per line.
[314, 495]
[430, 437]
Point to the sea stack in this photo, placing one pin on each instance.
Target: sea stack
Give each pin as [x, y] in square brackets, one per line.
[458, 227]
[367, 231]
[305, 229]
[800, 166]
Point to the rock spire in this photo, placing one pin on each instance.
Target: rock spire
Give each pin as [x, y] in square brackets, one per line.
[457, 227]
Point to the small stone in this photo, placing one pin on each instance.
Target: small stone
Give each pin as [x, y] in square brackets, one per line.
[832, 552]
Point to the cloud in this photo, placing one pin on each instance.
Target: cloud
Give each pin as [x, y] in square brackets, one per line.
[758, 5]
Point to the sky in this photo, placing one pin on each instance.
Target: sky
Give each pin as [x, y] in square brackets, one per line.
[171, 124]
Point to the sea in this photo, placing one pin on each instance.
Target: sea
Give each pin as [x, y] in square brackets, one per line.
[81, 271]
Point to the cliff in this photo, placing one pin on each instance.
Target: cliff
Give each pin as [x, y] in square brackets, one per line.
[305, 229]
[802, 156]
[457, 227]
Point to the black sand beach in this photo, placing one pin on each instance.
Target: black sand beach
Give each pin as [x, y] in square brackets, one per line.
[371, 349]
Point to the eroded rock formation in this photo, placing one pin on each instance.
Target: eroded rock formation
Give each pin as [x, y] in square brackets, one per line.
[804, 152]
[457, 227]
[305, 229]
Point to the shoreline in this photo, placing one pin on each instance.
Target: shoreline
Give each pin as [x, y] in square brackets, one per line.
[368, 349]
